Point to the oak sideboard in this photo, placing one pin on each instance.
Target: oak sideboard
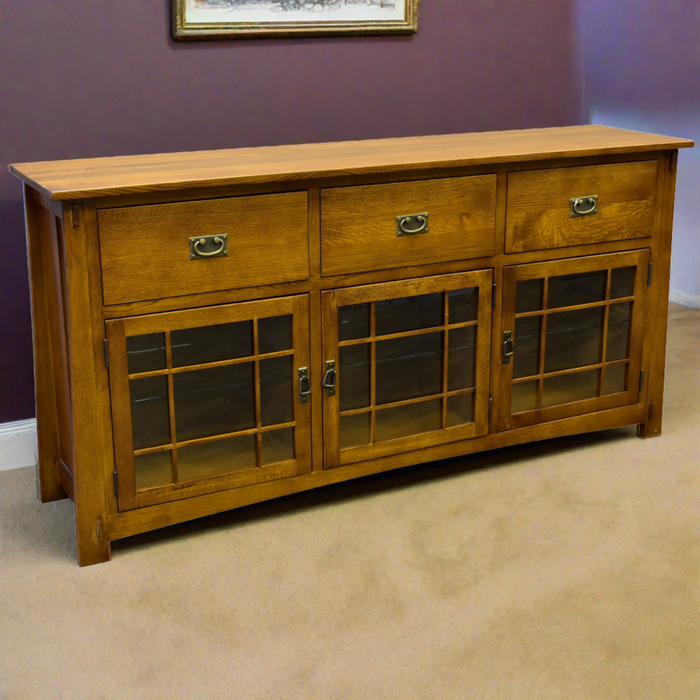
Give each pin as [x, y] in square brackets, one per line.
[220, 328]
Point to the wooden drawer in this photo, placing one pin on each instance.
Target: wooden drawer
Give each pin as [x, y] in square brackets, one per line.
[145, 250]
[539, 205]
[359, 227]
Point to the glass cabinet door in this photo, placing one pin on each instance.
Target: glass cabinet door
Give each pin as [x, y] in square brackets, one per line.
[572, 337]
[407, 365]
[209, 399]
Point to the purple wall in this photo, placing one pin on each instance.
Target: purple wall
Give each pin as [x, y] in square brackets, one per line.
[82, 79]
[642, 71]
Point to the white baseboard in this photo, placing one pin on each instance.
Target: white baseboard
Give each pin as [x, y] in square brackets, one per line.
[684, 299]
[18, 444]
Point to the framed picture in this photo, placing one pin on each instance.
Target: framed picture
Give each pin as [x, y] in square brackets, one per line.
[240, 19]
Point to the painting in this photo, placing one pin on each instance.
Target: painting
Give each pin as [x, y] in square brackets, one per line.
[237, 19]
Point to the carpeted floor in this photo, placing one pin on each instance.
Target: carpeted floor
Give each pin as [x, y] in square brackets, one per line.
[566, 570]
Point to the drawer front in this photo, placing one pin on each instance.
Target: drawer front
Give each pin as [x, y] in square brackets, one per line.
[621, 199]
[146, 251]
[451, 219]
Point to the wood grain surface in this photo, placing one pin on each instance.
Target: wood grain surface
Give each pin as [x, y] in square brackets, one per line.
[539, 208]
[359, 228]
[95, 177]
[145, 251]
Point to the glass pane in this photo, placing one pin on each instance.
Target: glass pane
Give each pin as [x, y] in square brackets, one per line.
[619, 331]
[463, 305]
[528, 338]
[354, 430]
[622, 282]
[460, 409]
[574, 339]
[195, 346]
[402, 421]
[150, 415]
[583, 288]
[354, 376]
[274, 334]
[529, 296]
[615, 379]
[570, 387]
[152, 470]
[218, 457]
[408, 313]
[523, 397]
[462, 358]
[409, 367]
[146, 353]
[353, 321]
[276, 390]
[278, 446]
[214, 401]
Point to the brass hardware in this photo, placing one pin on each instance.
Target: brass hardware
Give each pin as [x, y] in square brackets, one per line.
[583, 206]
[402, 223]
[490, 408]
[304, 385]
[507, 347]
[329, 379]
[198, 245]
[75, 214]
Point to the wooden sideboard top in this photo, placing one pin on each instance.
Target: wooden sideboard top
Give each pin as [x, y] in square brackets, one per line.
[97, 177]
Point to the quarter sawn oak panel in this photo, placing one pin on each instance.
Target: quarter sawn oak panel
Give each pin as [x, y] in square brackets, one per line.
[358, 224]
[539, 205]
[145, 250]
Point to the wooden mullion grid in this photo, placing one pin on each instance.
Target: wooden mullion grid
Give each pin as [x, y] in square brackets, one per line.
[571, 370]
[577, 307]
[373, 373]
[545, 300]
[215, 438]
[171, 408]
[258, 409]
[405, 334]
[208, 365]
[606, 318]
[445, 353]
[406, 402]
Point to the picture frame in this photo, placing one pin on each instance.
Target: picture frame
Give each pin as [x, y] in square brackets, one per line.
[242, 19]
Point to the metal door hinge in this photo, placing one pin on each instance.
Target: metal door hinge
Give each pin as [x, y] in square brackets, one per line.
[116, 485]
[490, 408]
[493, 295]
[75, 213]
[649, 275]
[106, 353]
[641, 379]
[304, 385]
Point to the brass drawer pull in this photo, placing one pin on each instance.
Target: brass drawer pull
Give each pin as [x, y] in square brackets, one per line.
[198, 243]
[583, 206]
[402, 223]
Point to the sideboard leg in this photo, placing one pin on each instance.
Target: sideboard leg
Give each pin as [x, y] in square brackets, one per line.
[91, 535]
[38, 226]
[657, 303]
[85, 336]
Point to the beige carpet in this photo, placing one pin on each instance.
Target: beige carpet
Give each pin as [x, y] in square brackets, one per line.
[566, 570]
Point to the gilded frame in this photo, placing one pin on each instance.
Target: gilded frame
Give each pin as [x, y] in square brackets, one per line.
[183, 29]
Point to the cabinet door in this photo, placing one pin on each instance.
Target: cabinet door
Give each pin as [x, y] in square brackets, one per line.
[209, 399]
[572, 337]
[411, 363]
